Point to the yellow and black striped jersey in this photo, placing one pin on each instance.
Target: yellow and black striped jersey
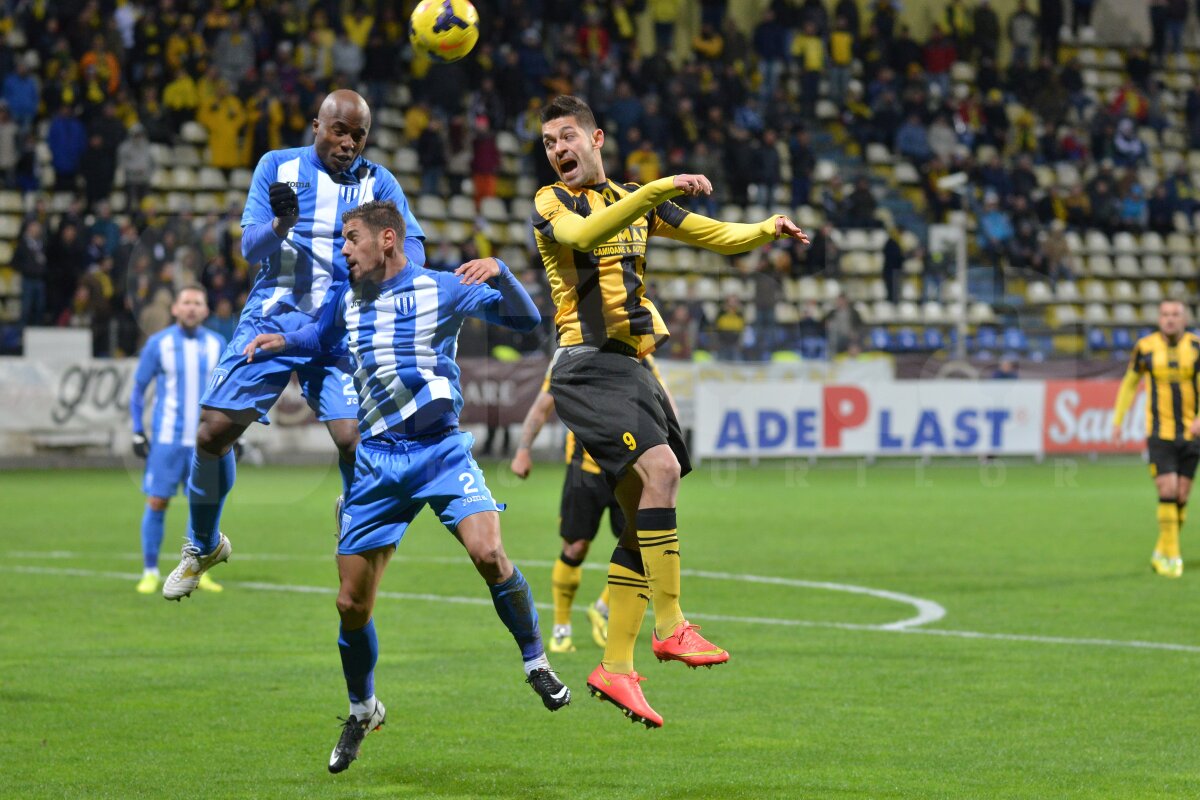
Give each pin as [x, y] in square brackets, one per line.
[600, 295]
[575, 452]
[593, 242]
[1172, 389]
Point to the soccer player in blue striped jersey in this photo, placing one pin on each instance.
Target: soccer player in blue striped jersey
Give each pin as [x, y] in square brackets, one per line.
[177, 360]
[400, 323]
[292, 227]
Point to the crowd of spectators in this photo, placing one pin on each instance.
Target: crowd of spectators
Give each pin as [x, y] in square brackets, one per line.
[99, 81]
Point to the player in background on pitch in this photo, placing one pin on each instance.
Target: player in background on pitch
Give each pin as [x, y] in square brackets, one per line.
[178, 360]
[1170, 360]
[292, 226]
[592, 234]
[586, 495]
[400, 323]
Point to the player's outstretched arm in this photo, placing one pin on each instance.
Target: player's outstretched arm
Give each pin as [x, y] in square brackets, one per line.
[588, 233]
[728, 238]
[510, 307]
[535, 418]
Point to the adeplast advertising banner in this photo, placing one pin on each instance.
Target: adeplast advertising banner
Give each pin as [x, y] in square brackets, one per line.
[1079, 417]
[774, 419]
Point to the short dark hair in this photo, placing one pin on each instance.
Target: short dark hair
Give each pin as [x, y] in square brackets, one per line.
[568, 105]
[192, 287]
[377, 215]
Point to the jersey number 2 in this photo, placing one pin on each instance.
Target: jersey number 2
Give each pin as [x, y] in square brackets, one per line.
[468, 481]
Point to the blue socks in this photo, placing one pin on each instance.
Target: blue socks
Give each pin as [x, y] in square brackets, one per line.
[514, 605]
[208, 485]
[347, 471]
[152, 536]
[360, 651]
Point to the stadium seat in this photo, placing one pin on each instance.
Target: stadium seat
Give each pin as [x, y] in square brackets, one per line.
[1151, 243]
[807, 289]
[1155, 266]
[786, 314]
[1179, 243]
[1064, 315]
[1095, 314]
[240, 179]
[883, 312]
[10, 227]
[1096, 242]
[986, 338]
[431, 208]
[735, 287]
[732, 213]
[1096, 339]
[1127, 266]
[1178, 290]
[193, 133]
[406, 160]
[493, 210]
[933, 313]
[461, 208]
[1038, 292]
[831, 289]
[932, 339]
[1066, 292]
[1149, 313]
[212, 179]
[1150, 292]
[879, 339]
[981, 313]
[1015, 340]
[1123, 291]
[1122, 339]
[907, 311]
[906, 340]
[707, 289]
[1123, 242]
[1095, 291]
[1100, 265]
[1124, 314]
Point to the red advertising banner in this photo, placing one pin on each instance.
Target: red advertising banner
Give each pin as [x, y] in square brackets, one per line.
[1079, 415]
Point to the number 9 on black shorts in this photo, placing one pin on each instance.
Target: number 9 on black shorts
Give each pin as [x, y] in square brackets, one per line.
[616, 408]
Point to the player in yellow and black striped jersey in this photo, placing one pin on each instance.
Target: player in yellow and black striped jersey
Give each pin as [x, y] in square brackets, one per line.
[592, 234]
[586, 495]
[1170, 361]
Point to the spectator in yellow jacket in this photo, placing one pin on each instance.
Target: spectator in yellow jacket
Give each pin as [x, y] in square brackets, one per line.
[224, 117]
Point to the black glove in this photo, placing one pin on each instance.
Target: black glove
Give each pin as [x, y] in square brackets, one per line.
[141, 446]
[283, 201]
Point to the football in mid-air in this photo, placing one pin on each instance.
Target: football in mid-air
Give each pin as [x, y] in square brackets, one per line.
[445, 30]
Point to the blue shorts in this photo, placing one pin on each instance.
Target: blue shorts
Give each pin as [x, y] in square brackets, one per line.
[166, 469]
[395, 479]
[248, 390]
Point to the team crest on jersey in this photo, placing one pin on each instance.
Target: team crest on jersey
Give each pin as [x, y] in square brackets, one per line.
[406, 303]
[349, 194]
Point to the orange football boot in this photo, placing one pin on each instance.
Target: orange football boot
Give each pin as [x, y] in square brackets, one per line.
[624, 693]
[688, 646]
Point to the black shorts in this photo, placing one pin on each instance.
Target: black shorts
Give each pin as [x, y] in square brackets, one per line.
[1176, 455]
[616, 409]
[585, 496]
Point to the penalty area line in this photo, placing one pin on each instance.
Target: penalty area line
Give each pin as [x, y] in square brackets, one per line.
[478, 601]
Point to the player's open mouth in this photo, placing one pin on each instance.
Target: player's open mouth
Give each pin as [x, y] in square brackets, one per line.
[567, 165]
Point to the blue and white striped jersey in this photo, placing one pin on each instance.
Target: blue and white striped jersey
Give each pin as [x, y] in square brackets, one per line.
[403, 337]
[302, 272]
[180, 364]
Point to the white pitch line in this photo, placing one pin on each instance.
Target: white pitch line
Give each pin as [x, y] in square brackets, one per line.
[845, 626]
[927, 610]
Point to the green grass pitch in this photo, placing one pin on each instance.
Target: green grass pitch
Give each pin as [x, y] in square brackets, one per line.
[1028, 687]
